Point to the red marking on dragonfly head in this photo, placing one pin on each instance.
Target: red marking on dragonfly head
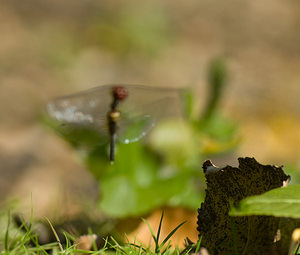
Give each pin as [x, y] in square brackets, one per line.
[119, 92]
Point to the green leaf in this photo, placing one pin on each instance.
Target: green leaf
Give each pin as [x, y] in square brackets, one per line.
[217, 77]
[280, 202]
[136, 184]
[218, 127]
[188, 103]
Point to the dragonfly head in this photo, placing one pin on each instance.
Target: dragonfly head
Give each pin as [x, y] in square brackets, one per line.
[119, 92]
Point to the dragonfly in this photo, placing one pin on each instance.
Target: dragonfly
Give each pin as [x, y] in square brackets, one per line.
[123, 113]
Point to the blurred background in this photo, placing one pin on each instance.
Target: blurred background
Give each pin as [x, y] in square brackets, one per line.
[55, 48]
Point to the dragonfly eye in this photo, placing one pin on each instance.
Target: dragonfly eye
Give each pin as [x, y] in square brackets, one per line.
[119, 92]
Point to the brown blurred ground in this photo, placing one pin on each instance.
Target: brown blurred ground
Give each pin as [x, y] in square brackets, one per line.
[51, 48]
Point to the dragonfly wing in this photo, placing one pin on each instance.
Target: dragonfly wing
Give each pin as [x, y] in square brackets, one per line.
[158, 103]
[87, 107]
[144, 107]
[133, 129]
[92, 105]
[87, 110]
[82, 135]
[81, 118]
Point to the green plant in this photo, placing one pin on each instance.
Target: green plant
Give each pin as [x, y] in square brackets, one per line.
[22, 240]
[159, 246]
[160, 172]
[17, 241]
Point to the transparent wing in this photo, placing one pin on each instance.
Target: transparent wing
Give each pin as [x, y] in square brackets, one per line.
[81, 118]
[133, 125]
[87, 111]
[133, 129]
[87, 108]
[82, 135]
[156, 102]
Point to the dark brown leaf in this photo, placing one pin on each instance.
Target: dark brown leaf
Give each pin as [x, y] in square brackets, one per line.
[222, 234]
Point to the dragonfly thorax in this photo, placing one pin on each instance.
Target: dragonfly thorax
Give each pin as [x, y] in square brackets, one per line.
[114, 115]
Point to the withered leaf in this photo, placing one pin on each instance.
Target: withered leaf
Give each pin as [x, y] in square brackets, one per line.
[222, 234]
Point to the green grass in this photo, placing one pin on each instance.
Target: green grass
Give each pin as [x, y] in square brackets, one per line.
[22, 240]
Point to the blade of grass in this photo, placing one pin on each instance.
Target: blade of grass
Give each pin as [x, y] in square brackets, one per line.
[159, 226]
[116, 246]
[297, 250]
[32, 237]
[151, 231]
[93, 238]
[198, 244]
[25, 249]
[55, 234]
[170, 234]
[138, 246]
[35, 242]
[31, 212]
[135, 245]
[167, 248]
[68, 243]
[7, 233]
